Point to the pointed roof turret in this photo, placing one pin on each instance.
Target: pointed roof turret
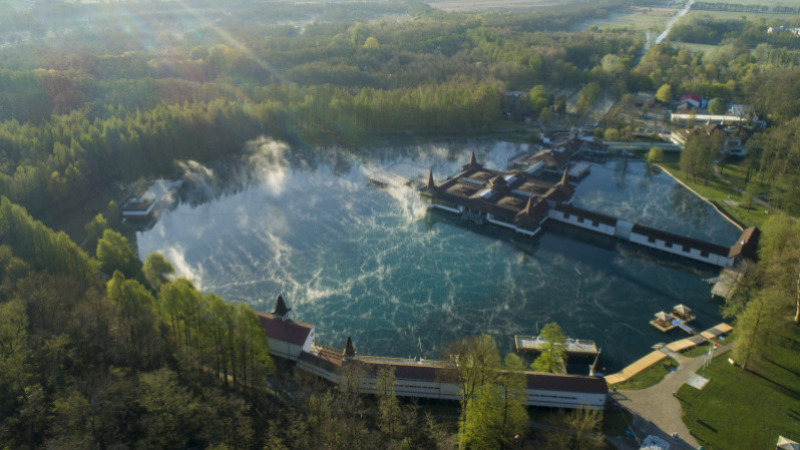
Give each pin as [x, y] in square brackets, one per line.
[529, 207]
[565, 177]
[280, 308]
[349, 349]
[473, 163]
[431, 183]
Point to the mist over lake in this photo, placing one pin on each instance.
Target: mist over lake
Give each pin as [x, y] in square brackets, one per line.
[376, 265]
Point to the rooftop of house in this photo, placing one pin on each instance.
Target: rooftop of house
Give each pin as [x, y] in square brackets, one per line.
[285, 330]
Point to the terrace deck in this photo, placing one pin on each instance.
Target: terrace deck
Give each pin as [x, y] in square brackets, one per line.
[579, 347]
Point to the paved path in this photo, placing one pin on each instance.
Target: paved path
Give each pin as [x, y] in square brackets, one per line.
[656, 408]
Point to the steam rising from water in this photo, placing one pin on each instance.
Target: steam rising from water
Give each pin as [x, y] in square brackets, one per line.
[269, 164]
[373, 264]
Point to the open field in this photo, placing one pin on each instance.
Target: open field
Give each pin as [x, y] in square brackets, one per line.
[740, 409]
[792, 3]
[488, 5]
[725, 15]
[693, 47]
[636, 18]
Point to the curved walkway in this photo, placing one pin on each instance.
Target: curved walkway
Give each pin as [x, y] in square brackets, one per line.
[657, 410]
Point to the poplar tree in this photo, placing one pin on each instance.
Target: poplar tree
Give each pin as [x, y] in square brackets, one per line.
[553, 356]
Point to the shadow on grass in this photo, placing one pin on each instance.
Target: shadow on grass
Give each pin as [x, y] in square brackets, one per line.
[792, 342]
[705, 424]
[792, 371]
[787, 390]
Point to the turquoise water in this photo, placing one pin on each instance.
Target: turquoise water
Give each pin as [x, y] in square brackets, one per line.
[375, 265]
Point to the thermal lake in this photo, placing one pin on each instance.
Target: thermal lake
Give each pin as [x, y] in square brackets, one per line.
[375, 265]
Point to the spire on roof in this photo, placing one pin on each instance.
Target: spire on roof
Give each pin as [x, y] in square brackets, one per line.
[565, 177]
[431, 183]
[349, 349]
[280, 308]
[529, 207]
[472, 164]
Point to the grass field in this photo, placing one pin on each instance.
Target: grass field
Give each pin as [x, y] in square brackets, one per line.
[650, 376]
[693, 47]
[634, 18]
[719, 192]
[740, 409]
[726, 15]
[792, 3]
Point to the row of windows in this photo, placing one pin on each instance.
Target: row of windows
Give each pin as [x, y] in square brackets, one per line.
[686, 248]
[581, 220]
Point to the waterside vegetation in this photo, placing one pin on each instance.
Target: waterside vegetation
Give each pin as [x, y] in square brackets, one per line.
[98, 349]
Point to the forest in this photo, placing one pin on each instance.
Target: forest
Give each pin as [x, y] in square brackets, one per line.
[99, 349]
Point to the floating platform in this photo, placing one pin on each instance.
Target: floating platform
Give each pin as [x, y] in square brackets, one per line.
[575, 347]
[680, 316]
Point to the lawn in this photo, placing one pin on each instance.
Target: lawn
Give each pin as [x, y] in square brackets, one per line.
[715, 190]
[747, 410]
[635, 19]
[693, 47]
[649, 377]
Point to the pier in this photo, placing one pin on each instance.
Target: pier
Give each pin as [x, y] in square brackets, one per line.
[576, 347]
[680, 316]
[659, 355]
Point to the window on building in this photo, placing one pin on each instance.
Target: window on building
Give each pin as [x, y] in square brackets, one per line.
[595, 223]
[651, 239]
[580, 219]
[686, 248]
[704, 254]
[668, 244]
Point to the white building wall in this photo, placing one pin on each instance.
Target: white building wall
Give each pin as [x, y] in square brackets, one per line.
[308, 342]
[450, 391]
[587, 224]
[566, 399]
[677, 249]
[284, 349]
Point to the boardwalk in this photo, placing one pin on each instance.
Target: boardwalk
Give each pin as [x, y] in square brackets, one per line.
[658, 355]
[639, 366]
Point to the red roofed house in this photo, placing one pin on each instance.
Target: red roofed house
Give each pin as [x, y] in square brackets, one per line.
[287, 338]
[691, 99]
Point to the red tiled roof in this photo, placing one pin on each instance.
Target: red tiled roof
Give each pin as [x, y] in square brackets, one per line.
[284, 330]
[691, 96]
